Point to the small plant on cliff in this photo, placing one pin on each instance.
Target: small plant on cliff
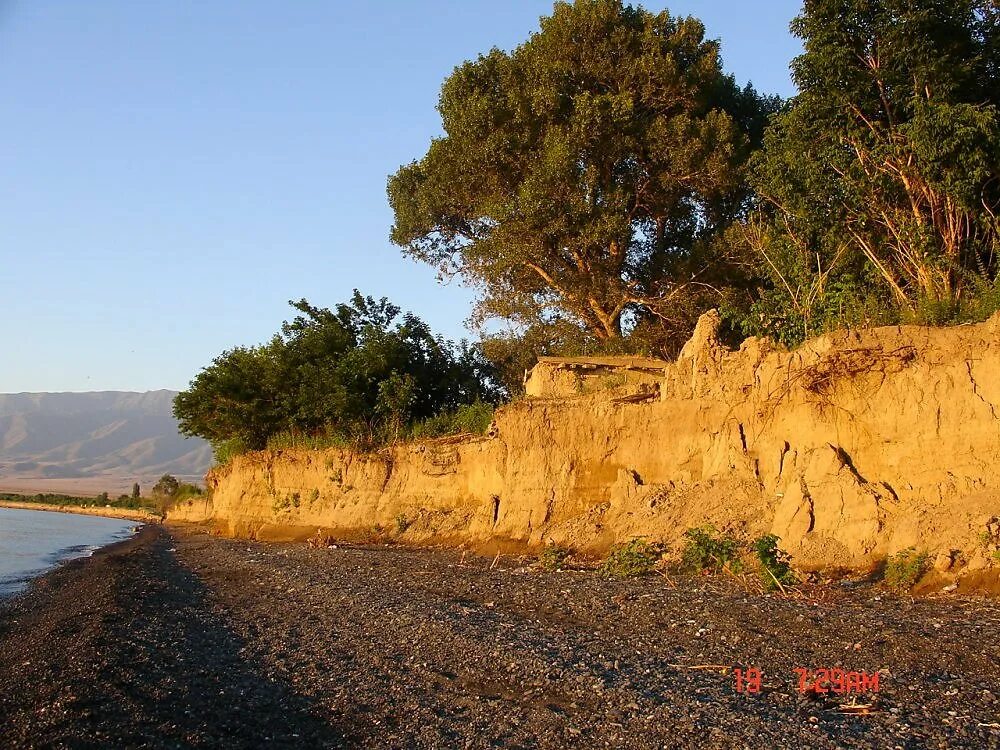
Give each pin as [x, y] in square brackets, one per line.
[285, 503]
[774, 567]
[631, 559]
[402, 523]
[554, 556]
[707, 550]
[989, 539]
[224, 451]
[904, 569]
[474, 419]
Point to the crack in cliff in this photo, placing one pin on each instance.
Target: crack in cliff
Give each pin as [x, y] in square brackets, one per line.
[810, 505]
[781, 459]
[847, 462]
[975, 389]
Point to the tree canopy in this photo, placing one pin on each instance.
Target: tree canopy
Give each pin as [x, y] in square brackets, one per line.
[881, 181]
[362, 371]
[581, 175]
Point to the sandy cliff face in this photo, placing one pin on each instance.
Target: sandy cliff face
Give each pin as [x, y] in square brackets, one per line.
[849, 448]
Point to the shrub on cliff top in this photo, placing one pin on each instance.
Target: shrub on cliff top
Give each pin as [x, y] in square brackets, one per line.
[472, 419]
[361, 374]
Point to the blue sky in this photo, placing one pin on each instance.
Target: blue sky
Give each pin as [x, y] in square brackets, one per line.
[173, 172]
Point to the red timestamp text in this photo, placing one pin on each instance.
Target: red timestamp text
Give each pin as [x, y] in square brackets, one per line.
[825, 680]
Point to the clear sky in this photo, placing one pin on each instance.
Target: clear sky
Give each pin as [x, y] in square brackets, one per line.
[172, 172]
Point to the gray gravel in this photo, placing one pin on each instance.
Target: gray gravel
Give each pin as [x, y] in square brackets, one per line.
[189, 640]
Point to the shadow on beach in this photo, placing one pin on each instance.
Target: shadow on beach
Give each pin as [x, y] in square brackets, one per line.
[124, 650]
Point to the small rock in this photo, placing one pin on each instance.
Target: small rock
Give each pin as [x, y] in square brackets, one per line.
[944, 561]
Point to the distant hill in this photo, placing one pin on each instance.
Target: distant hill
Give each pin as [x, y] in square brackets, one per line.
[59, 441]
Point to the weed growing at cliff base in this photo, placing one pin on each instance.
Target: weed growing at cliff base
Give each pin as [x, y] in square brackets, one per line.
[631, 559]
[903, 570]
[554, 556]
[774, 567]
[708, 550]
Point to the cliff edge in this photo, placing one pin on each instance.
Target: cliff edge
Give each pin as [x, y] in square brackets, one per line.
[851, 447]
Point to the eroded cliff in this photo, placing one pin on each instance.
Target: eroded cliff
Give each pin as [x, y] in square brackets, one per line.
[849, 448]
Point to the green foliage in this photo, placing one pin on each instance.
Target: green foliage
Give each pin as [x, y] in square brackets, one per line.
[582, 177]
[706, 549]
[473, 419]
[166, 487]
[124, 501]
[358, 375]
[224, 451]
[631, 559]
[169, 491]
[293, 440]
[554, 556]
[904, 569]
[775, 570]
[880, 182]
[402, 523]
[285, 503]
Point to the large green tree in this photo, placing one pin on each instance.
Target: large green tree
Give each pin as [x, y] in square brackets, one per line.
[579, 174]
[883, 176]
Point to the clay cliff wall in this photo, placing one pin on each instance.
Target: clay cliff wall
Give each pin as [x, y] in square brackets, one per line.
[849, 448]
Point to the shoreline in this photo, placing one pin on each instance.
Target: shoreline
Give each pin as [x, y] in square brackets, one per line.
[128, 514]
[175, 637]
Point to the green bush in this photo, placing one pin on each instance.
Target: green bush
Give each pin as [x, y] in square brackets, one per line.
[903, 570]
[402, 523]
[225, 451]
[775, 570]
[472, 418]
[631, 559]
[707, 549]
[359, 374]
[553, 556]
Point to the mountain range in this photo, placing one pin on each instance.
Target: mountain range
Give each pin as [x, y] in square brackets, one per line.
[58, 442]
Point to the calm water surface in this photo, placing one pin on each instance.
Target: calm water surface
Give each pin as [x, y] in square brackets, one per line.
[33, 541]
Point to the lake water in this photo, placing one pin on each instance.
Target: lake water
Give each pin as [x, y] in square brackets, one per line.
[33, 541]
